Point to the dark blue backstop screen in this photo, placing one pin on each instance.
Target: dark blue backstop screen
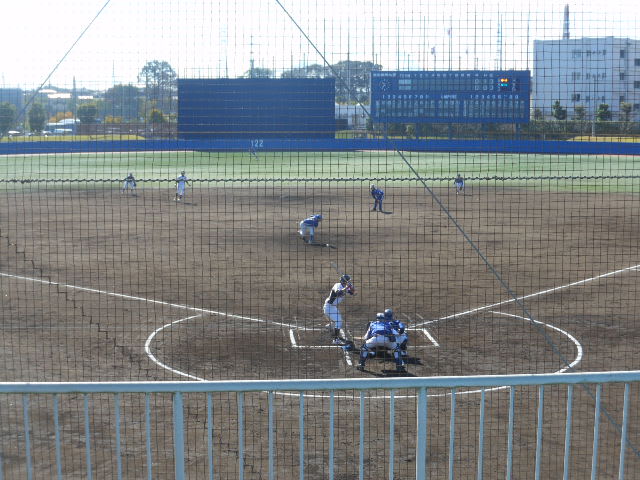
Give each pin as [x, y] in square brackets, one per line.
[256, 108]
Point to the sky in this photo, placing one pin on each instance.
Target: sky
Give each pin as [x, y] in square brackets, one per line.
[219, 38]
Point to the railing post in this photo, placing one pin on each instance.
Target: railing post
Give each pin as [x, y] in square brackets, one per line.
[596, 433]
[512, 401]
[240, 400]
[272, 474]
[421, 430]
[623, 435]
[27, 435]
[539, 432]
[567, 432]
[452, 434]
[178, 435]
[210, 434]
[480, 472]
[392, 432]
[87, 437]
[147, 429]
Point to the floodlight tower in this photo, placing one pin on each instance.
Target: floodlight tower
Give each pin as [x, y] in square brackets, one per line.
[565, 25]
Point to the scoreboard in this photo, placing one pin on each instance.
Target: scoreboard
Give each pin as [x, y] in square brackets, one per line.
[460, 96]
[256, 108]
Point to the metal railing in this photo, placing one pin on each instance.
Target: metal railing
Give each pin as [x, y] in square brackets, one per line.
[21, 438]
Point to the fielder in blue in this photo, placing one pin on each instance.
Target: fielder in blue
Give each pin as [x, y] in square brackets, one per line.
[459, 183]
[308, 226]
[378, 196]
[381, 334]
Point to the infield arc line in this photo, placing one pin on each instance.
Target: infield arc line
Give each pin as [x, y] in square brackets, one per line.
[208, 311]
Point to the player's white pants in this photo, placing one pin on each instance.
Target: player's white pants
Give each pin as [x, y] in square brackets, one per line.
[180, 189]
[380, 341]
[333, 314]
[304, 229]
[128, 185]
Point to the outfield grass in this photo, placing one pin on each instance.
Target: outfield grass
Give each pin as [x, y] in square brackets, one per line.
[440, 168]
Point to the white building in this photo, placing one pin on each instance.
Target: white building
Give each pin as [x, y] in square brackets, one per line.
[355, 115]
[586, 72]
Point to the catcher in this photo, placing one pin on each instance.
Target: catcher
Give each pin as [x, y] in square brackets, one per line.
[381, 333]
[330, 308]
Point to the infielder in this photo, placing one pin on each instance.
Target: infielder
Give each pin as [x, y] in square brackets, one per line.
[330, 307]
[401, 338]
[459, 183]
[381, 334]
[129, 183]
[181, 181]
[308, 226]
[378, 196]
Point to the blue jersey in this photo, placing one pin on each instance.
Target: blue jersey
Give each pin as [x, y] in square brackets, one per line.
[312, 221]
[380, 328]
[459, 181]
[377, 193]
[398, 326]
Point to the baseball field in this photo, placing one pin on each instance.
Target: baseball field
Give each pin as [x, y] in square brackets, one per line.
[534, 269]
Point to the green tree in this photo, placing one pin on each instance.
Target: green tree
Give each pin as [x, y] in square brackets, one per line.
[580, 116]
[352, 78]
[558, 111]
[122, 101]
[580, 113]
[258, 73]
[537, 114]
[7, 117]
[37, 117]
[625, 116]
[625, 111]
[60, 116]
[603, 114]
[156, 116]
[159, 80]
[87, 112]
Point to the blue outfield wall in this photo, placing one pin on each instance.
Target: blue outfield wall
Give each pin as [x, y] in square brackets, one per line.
[332, 145]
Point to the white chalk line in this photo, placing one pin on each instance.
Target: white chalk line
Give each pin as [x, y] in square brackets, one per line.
[430, 337]
[150, 300]
[186, 307]
[147, 349]
[531, 295]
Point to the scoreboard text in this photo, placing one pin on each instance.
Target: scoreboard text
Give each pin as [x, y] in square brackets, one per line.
[451, 96]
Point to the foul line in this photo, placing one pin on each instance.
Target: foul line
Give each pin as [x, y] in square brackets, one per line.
[148, 300]
[531, 295]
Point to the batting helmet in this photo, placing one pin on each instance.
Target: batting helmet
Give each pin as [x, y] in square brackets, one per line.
[379, 316]
[388, 314]
[345, 278]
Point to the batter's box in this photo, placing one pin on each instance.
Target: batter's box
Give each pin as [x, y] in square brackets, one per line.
[316, 338]
[418, 338]
[421, 338]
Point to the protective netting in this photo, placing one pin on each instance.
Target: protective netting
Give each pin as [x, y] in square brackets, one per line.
[156, 164]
